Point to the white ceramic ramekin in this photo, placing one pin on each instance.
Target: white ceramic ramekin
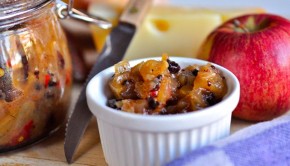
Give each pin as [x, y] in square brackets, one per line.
[139, 140]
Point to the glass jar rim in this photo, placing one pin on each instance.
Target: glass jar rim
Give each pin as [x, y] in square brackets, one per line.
[12, 12]
[26, 9]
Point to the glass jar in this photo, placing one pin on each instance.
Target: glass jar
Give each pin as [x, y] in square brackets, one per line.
[35, 72]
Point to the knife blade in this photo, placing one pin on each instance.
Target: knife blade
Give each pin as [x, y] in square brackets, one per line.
[116, 45]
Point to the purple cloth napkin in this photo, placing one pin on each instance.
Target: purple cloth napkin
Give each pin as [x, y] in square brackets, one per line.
[262, 144]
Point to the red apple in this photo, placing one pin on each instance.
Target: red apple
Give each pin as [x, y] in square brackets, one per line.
[256, 48]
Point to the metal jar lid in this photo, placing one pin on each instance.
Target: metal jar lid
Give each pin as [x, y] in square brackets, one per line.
[16, 11]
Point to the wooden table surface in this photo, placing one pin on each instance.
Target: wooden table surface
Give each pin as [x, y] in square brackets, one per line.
[50, 151]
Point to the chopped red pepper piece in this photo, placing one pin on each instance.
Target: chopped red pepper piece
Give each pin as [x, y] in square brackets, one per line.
[9, 63]
[68, 78]
[24, 134]
[153, 93]
[47, 80]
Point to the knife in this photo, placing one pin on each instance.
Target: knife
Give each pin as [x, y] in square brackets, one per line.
[114, 50]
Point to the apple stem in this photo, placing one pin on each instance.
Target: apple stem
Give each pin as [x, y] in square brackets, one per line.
[238, 24]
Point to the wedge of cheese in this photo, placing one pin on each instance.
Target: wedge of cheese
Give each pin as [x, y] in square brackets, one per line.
[177, 31]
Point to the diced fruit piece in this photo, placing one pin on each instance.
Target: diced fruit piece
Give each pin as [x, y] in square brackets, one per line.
[117, 84]
[209, 78]
[152, 68]
[122, 67]
[165, 91]
[135, 106]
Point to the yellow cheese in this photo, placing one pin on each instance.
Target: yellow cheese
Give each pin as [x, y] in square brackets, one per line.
[173, 31]
[177, 31]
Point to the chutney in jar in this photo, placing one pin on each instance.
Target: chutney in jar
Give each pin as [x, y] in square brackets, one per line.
[35, 78]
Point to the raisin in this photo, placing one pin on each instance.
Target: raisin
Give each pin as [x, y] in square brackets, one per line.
[195, 72]
[24, 59]
[152, 103]
[61, 61]
[36, 73]
[172, 101]
[208, 83]
[112, 103]
[210, 98]
[52, 83]
[173, 67]
[37, 86]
